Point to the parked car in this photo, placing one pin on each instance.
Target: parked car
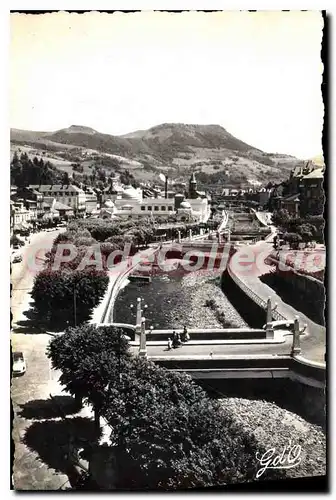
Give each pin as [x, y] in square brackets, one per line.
[19, 363]
[17, 258]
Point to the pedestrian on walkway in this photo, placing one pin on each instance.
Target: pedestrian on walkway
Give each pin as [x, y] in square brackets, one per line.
[174, 340]
[179, 342]
[170, 344]
[184, 334]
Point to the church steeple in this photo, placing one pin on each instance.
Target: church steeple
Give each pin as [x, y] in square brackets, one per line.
[192, 186]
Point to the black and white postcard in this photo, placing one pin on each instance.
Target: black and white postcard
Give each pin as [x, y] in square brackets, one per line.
[167, 250]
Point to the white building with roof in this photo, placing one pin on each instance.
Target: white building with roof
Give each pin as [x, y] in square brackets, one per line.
[21, 215]
[130, 201]
[69, 195]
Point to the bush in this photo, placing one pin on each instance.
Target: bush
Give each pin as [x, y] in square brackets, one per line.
[219, 313]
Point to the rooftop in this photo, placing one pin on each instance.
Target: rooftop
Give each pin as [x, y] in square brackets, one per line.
[61, 206]
[315, 174]
[292, 197]
[56, 187]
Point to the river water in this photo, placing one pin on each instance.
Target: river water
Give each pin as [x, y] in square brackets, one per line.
[179, 298]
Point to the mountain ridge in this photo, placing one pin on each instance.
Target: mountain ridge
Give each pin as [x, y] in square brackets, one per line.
[176, 148]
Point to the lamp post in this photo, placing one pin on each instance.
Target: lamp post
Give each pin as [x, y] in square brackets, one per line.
[143, 346]
[296, 349]
[269, 310]
[269, 318]
[139, 313]
[75, 309]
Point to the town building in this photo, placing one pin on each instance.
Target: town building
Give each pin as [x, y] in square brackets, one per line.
[69, 195]
[312, 196]
[302, 194]
[131, 202]
[291, 203]
[56, 208]
[32, 199]
[20, 215]
[91, 200]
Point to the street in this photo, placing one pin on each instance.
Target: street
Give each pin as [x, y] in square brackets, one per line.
[22, 277]
[28, 392]
[313, 343]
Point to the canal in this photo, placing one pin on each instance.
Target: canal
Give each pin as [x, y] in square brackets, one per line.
[178, 297]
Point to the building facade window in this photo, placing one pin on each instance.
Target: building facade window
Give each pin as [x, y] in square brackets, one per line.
[163, 208]
[149, 208]
[170, 208]
[143, 207]
[156, 208]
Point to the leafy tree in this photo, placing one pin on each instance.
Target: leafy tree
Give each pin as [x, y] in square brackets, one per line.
[307, 232]
[83, 240]
[166, 433]
[65, 179]
[25, 172]
[89, 359]
[293, 239]
[67, 236]
[58, 292]
[281, 217]
[119, 241]
[101, 175]
[15, 240]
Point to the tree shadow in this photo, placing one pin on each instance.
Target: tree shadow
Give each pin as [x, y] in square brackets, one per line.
[56, 441]
[27, 327]
[49, 408]
[34, 324]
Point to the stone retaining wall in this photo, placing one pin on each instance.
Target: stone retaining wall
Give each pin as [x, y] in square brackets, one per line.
[306, 294]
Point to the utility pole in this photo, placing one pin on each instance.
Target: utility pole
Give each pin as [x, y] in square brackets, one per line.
[75, 311]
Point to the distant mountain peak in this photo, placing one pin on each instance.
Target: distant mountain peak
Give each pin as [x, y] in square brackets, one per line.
[80, 129]
[177, 148]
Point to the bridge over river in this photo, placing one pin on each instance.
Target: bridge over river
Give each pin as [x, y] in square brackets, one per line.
[272, 351]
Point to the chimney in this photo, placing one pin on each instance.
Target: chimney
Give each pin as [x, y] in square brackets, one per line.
[166, 187]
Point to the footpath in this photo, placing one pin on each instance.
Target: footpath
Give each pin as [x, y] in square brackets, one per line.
[313, 342]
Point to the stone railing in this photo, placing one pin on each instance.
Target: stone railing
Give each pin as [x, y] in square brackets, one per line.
[119, 282]
[260, 217]
[303, 367]
[250, 293]
[224, 222]
[115, 290]
[105, 308]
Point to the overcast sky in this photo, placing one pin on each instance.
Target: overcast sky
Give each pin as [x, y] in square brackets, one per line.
[257, 74]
